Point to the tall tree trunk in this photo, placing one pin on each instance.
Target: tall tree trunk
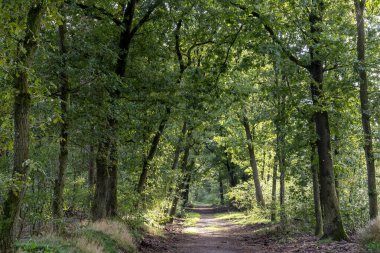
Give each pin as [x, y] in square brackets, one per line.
[125, 39]
[221, 190]
[316, 193]
[91, 168]
[186, 184]
[59, 185]
[178, 148]
[263, 169]
[332, 220]
[258, 191]
[274, 192]
[230, 170]
[112, 181]
[280, 152]
[281, 163]
[180, 184]
[177, 154]
[99, 205]
[365, 108]
[152, 152]
[25, 56]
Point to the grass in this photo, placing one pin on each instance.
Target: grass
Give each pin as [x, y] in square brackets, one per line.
[104, 236]
[241, 218]
[373, 247]
[191, 219]
[46, 245]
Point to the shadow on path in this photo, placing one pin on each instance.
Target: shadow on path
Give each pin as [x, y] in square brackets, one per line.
[213, 235]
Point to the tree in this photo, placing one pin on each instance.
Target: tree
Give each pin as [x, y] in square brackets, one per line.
[59, 183]
[333, 225]
[25, 53]
[365, 107]
[252, 159]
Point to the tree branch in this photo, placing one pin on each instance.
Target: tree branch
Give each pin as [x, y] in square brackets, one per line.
[272, 34]
[146, 17]
[91, 10]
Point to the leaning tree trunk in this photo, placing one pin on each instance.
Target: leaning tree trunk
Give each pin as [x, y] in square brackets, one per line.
[152, 152]
[365, 108]
[180, 184]
[59, 185]
[13, 202]
[186, 184]
[258, 191]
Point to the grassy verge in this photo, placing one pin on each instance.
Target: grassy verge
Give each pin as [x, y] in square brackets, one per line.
[98, 237]
[191, 219]
[241, 218]
[46, 245]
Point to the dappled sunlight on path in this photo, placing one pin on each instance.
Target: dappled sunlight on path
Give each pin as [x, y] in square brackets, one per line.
[214, 233]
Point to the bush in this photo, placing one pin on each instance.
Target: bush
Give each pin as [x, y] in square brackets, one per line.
[370, 235]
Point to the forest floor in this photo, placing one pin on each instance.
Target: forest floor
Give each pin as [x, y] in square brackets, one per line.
[212, 234]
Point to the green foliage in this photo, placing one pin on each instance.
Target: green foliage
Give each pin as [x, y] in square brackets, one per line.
[48, 245]
[232, 67]
[191, 219]
[242, 196]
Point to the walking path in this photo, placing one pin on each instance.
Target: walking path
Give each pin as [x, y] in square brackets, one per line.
[214, 235]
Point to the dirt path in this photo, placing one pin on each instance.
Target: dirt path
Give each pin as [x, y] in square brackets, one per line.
[213, 235]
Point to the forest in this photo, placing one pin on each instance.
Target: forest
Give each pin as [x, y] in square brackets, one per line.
[189, 126]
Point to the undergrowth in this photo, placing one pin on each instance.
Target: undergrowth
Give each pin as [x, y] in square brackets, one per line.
[369, 236]
[104, 236]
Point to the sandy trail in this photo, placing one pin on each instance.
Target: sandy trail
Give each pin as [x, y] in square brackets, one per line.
[212, 235]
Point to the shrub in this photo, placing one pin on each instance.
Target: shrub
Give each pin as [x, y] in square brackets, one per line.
[370, 235]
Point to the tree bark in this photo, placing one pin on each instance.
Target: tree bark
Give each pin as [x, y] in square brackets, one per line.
[274, 192]
[91, 168]
[316, 192]
[365, 108]
[178, 148]
[99, 206]
[258, 191]
[281, 165]
[333, 226]
[332, 221]
[221, 190]
[180, 184]
[186, 184]
[110, 182]
[25, 56]
[263, 169]
[231, 170]
[59, 185]
[152, 152]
